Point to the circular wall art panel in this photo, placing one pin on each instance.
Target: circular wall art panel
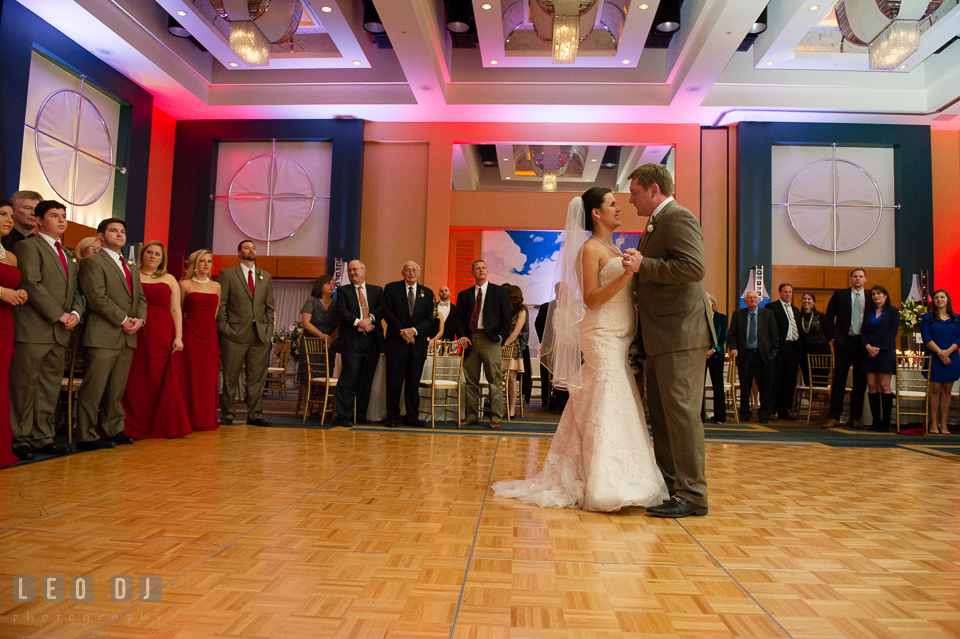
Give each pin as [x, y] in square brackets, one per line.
[271, 197]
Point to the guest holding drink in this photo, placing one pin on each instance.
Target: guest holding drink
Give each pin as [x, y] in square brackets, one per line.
[879, 338]
[940, 332]
[199, 379]
[153, 400]
[319, 319]
[9, 297]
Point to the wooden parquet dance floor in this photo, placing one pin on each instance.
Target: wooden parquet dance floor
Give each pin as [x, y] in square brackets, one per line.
[367, 533]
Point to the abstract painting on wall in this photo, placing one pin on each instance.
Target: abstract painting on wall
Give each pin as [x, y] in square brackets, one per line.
[528, 259]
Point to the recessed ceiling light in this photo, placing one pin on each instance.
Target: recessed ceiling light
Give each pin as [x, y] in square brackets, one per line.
[104, 51]
[506, 159]
[644, 6]
[507, 178]
[493, 62]
[770, 63]
[626, 61]
[326, 9]
[181, 13]
[814, 7]
[902, 66]
[357, 63]
[426, 87]
[234, 64]
[486, 6]
[593, 160]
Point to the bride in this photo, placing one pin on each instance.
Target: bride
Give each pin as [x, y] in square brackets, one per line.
[600, 458]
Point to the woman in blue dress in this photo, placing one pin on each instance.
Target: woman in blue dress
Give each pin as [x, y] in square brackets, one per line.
[940, 332]
[879, 337]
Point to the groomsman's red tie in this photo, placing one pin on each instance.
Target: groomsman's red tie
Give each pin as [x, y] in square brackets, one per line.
[475, 315]
[63, 258]
[126, 272]
[250, 281]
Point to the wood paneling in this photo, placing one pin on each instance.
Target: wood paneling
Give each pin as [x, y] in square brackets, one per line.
[823, 280]
[76, 232]
[300, 267]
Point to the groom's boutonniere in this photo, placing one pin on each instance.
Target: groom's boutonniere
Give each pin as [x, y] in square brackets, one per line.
[653, 224]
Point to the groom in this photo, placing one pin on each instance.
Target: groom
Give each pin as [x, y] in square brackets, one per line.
[676, 329]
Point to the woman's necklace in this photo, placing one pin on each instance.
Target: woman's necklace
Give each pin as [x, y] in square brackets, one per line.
[609, 246]
[806, 325]
[199, 281]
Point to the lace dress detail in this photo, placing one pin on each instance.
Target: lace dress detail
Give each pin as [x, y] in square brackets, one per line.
[601, 458]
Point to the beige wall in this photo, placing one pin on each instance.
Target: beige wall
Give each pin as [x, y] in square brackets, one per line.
[393, 217]
[714, 213]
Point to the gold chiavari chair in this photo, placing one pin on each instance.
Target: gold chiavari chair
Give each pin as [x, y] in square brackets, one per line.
[276, 381]
[447, 369]
[913, 369]
[821, 382]
[320, 376]
[731, 387]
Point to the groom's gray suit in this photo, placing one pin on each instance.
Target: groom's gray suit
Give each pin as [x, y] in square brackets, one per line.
[676, 328]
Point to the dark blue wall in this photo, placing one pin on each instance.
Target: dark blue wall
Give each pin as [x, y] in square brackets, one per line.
[194, 177]
[21, 31]
[912, 187]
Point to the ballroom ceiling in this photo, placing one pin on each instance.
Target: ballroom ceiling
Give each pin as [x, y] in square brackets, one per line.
[799, 69]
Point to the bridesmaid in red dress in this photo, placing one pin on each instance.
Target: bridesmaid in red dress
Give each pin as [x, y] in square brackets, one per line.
[9, 297]
[201, 349]
[153, 400]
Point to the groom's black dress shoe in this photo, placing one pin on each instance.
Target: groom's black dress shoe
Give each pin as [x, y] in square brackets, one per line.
[677, 507]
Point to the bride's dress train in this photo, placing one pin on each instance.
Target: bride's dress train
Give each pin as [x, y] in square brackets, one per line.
[600, 458]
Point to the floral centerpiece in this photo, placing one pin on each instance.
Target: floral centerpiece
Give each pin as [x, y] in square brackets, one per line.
[291, 334]
[910, 313]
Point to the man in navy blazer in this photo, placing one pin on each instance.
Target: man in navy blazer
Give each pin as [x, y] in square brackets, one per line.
[844, 323]
[408, 308]
[483, 331]
[360, 309]
[787, 364]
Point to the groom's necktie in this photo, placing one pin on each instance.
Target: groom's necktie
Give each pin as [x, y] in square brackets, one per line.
[752, 330]
[857, 320]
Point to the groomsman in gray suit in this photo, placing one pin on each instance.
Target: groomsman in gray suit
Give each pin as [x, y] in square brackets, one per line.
[116, 310]
[42, 330]
[245, 321]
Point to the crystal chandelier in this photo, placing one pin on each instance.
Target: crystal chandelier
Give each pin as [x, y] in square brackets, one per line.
[894, 45]
[248, 43]
[566, 39]
[549, 181]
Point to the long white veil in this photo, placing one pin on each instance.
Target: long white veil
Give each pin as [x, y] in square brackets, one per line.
[560, 348]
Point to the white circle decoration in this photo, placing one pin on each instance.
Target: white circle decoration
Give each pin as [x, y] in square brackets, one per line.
[271, 197]
[834, 205]
[73, 147]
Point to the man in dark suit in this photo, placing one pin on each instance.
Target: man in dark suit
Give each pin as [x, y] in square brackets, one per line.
[787, 364]
[449, 313]
[245, 321]
[753, 340]
[359, 340]
[675, 326]
[485, 319]
[116, 310]
[408, 308]
[24, 218]
[42, 330]
[846, 312]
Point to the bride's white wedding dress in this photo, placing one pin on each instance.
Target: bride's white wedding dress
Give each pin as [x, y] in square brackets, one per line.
[600, 458]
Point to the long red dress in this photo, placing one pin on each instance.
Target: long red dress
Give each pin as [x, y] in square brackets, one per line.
[9, 278]
[153, 401]
[201, 360]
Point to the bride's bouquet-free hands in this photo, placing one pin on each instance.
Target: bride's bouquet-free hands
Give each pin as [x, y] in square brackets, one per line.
[631, 260]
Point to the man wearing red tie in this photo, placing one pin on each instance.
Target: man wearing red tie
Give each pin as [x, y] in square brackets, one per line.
[42, 330]
[245, 321]
[116, 310]
[485, 319]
